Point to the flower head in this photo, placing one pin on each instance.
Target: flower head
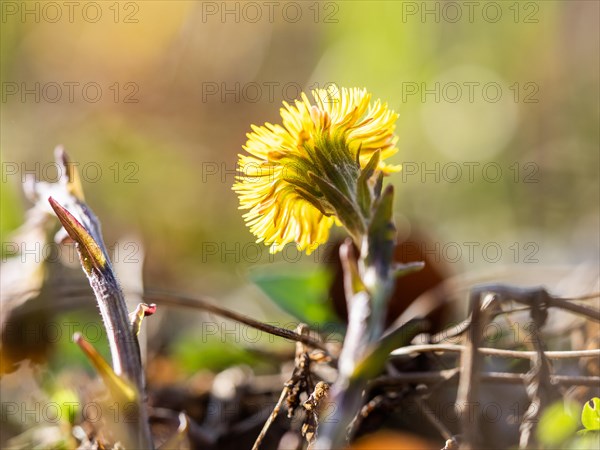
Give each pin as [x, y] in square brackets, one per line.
[299, 178]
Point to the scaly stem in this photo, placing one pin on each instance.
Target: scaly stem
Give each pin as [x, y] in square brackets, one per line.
[368, 283]
[83, 227]
[124, 348]
[366, 316]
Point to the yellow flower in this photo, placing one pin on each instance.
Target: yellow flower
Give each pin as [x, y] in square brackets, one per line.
[298, 179]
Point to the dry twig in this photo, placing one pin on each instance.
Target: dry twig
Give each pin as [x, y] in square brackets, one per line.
[209, 305]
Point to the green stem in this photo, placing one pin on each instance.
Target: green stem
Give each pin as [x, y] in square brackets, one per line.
[366, 320]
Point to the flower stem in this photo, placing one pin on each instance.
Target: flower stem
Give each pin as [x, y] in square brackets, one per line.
[366, 316]
[368, 283]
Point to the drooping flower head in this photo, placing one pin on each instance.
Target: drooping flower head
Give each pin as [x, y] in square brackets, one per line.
[299, 178]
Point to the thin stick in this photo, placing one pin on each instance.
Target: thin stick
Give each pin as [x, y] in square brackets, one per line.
[562, 303]
[531, 297]
[452, 332]
[590, 296]
[301, 371]
[591, 313]
[496, 377]
[441, 348]
[208, 304]
[271, 418]
[402, 379]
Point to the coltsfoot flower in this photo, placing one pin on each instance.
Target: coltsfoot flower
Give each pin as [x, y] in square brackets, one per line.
[299, 178]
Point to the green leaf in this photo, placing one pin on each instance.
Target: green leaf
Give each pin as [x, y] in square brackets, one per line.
[374, 361]
[557, 424]
[196, 351]
[590, 415]
[303, 293]
[68, 403]
[585, 439]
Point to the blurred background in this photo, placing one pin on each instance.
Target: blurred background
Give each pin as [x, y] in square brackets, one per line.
[498, 122]
[498, 108]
